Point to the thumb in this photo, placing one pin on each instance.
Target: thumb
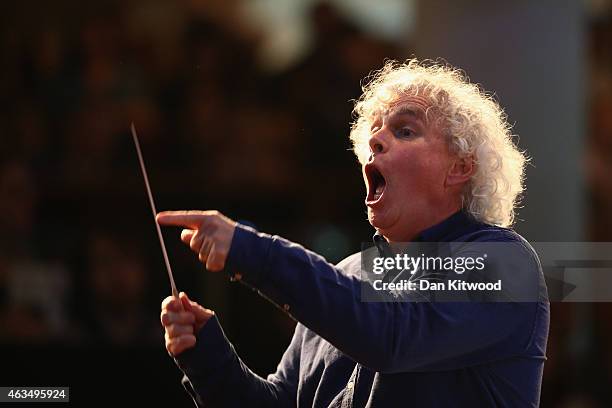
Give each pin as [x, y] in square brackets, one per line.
[201, 313]
[185, 302]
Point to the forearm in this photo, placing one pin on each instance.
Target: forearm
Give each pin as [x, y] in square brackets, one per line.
[385, 336]
[216, 377]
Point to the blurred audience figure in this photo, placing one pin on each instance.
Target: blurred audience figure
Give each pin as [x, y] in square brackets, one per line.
[115, 305]
[34, 292]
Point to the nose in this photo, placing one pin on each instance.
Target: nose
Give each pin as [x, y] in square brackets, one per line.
[377, 143]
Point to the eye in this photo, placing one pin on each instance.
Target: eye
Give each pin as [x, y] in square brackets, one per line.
[404, 132]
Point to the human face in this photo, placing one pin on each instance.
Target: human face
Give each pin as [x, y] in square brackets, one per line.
[406, 174]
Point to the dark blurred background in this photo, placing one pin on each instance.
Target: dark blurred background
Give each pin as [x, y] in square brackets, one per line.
[244, 106]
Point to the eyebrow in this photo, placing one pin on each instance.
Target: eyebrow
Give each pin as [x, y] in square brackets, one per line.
[415, 112]
[406, 110]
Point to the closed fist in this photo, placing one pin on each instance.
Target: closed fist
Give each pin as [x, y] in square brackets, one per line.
[182, 319]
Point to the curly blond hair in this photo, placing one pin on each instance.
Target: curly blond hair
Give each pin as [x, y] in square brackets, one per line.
[472, 121]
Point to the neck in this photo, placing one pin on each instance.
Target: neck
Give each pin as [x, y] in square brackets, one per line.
[409, 233]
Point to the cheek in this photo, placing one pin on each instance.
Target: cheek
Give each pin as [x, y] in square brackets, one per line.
[435, 170]
[424, 172]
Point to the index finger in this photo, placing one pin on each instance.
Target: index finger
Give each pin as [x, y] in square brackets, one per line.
[190, 219]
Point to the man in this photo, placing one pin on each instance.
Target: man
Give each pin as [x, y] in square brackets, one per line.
[440, 166]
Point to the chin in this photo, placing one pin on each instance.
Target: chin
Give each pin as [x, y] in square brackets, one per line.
[389, 226]
[378, 221]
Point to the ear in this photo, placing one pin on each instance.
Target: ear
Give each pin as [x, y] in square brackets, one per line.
[460, 171]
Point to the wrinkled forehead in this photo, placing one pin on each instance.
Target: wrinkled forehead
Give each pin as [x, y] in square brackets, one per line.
[405, 103]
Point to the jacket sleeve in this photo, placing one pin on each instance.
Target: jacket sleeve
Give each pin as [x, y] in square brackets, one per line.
[216, 377]
[384, 336]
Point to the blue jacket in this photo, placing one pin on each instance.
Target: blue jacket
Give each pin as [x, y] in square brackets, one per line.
[350, 353]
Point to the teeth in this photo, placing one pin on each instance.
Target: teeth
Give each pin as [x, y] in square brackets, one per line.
[378, 192]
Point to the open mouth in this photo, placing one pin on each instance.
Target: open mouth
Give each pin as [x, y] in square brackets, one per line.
[376, 184]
